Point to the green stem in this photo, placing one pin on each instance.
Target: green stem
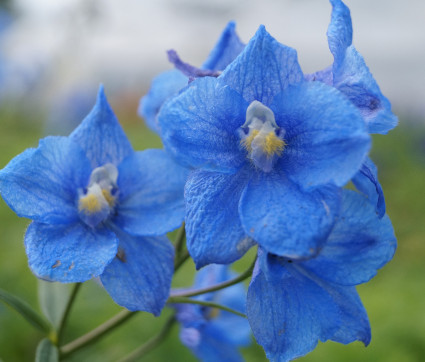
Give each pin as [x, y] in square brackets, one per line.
[96, 333]
[151, 344]
[65, 315]
[179, 242]
[181, 261]
[177, 300]
[191, 293]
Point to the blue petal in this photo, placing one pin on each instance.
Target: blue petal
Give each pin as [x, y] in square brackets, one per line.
[210, 275]
[285, 220]
[228, 47]
[213, 348]
[199, 126]
[232, 328]
[169, 83]
[264, 69]
[101, 136]
[340, 30]
[69, 253]
[324, 76]
[358, 246]
[213, 230]
[228, 327]
[151, 188]
[351, 75]
[139, 278]
[353, 78]
[213, 334]
[42, 184]
[289, 312]
[163, 86]
[326, 136]
[366, 181]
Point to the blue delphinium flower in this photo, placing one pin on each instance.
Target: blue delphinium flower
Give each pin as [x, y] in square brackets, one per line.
[169, 83]
[213, 334]
[99, 209]
[292, 304]
[351, 76]
[271, 151]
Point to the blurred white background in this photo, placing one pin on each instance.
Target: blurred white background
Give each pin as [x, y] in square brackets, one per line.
[55, 45]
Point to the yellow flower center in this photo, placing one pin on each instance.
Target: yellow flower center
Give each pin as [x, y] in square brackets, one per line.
[261, 136]
[97, 202]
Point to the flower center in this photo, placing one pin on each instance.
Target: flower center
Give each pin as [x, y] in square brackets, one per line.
[261, 136]
[97, 202]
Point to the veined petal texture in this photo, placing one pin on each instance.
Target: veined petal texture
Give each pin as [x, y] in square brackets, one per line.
[360, 244]
[151, 193]
[352, 77]
[214, 232]
[264, 69]
[199, 126]
[326, 136]
[228, 47]
[42, 184]
[101, 136]
[290, 311]
[139, 278]
[69, 253]
[340, 30]
[286, 220]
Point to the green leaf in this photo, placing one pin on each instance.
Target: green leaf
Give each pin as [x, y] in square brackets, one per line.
[26, 311]
[47, 352]
[53, 299]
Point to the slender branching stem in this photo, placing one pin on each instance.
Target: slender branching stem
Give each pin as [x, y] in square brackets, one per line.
[179, 262]
[96, 333]
[180, 238]
[177, 300]
[191, 293]
[66, 313]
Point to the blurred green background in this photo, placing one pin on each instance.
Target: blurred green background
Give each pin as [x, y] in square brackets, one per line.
[394, 299]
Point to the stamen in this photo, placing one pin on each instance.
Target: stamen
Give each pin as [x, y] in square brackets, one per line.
[89, 203]
[264, 139]
[274, 145]
[96, 204]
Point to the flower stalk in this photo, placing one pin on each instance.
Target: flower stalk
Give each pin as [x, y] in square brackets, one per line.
[96, 333]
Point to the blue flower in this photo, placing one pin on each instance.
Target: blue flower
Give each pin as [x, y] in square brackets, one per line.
[292, 304]
[270, 151]
[213, 334]
[98, 209]
[169, 83]
[350, 74]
